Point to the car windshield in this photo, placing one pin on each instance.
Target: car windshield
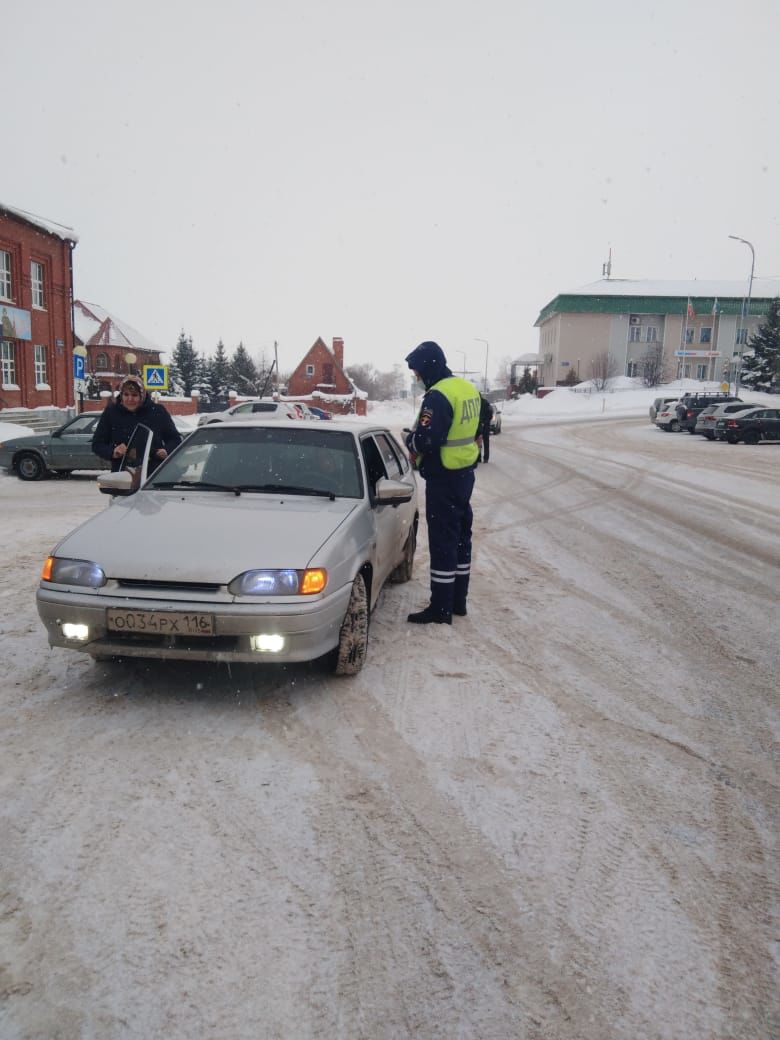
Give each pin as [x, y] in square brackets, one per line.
[265, 459]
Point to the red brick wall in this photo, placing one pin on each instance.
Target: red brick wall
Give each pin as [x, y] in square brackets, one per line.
[174, 406]
[51, 327]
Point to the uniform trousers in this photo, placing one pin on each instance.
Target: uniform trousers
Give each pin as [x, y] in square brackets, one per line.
[449, 518]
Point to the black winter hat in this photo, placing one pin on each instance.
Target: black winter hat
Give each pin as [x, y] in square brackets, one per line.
[429, 362]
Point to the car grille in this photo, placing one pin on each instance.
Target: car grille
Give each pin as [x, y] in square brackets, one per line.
[167, 586]
[226, 644]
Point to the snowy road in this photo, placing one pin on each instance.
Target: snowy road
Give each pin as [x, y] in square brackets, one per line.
[555, 821]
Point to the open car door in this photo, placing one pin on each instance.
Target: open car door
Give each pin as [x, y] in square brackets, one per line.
[133, 469]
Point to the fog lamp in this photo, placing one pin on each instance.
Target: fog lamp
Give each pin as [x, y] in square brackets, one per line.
[75, 631]
[268, 644]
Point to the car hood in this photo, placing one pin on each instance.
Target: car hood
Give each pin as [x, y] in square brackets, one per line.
[204, 536]
[32, 440]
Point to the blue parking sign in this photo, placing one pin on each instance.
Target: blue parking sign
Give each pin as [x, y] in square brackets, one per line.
[79, 370]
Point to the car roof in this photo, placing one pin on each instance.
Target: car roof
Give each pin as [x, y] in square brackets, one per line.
[344, 424]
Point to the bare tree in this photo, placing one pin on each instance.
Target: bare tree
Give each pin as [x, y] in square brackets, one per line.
[603, 367]
[653, 366]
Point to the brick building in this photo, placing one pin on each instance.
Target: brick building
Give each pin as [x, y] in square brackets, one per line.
[36, 294]
[320, 379]
[109, 343]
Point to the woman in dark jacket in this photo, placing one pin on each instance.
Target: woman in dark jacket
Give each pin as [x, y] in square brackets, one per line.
[120, 418]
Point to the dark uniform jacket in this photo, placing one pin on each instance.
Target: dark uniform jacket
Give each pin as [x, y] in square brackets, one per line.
[435, 418]
[116, 426]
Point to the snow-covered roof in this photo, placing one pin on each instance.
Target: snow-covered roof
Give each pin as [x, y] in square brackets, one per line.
[528, 359]
[96, 327]
[762, 287]
[51, 226]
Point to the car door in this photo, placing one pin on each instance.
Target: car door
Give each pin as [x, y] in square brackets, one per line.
[71, 445]
[380, 461]
[769, 424]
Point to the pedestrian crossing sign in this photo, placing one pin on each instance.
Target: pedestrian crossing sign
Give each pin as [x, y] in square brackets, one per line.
[156, 377]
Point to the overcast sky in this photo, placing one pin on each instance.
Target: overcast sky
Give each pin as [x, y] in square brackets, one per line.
[389, 172]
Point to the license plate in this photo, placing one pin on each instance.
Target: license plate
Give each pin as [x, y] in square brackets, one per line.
[159, 622]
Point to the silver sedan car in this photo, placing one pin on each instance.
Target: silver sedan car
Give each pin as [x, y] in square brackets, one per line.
[254, 541]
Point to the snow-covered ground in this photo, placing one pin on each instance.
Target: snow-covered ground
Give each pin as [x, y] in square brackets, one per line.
[556, 820]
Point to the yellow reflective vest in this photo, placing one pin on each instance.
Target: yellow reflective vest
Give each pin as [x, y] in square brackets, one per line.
[460, 450]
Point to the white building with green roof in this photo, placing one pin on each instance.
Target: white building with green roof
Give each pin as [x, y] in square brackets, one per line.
[699, 328]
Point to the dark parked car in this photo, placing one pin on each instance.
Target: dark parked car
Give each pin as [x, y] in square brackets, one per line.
[707, 419]
[695, 403]
[42, 454]
[762, 424]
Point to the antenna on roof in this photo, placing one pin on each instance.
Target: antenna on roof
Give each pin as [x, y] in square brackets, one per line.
[606, 268]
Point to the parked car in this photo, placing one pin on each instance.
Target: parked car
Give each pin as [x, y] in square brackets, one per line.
[759, 424]
[667, 419]
[320, 413]
[265, 408]
[658, 403]
[495, 420]
[44, 454]
[305, 523]
[707, 418]
[695, 403]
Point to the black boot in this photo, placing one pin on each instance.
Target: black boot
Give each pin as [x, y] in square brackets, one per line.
[429, 617]
[460, 611]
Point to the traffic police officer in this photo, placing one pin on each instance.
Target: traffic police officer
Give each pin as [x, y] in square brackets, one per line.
[443, 449]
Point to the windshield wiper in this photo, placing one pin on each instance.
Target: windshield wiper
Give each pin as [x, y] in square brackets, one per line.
[288, 489]
[167, 485]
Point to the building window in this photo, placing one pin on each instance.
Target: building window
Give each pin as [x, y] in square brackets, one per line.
[8, 363]
[705, 335]
[634, 334]
[741, 339]
[101, 363]
[309, 371]
[689, 335]
[652, 334]
[5, 275]
[36, 279]
[632, 369]
[701, 371]
[40, 364]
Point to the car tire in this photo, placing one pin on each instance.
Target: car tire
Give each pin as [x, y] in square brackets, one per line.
[349, 655]
[732, 440]
[403, 572]
[29, 466]
[710, 436]
[674, 426]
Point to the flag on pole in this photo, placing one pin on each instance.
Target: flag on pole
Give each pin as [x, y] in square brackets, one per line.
[715, 308]
[691, 311]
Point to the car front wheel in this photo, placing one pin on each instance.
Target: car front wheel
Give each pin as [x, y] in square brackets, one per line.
[30, 466]
[674, 426]
[350, 654]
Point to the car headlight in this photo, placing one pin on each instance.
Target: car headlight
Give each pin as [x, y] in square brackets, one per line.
[279, 582]
[62, 571]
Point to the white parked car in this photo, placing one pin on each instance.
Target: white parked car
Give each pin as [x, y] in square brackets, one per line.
[253, 541]
[666, 419]
[262, 408]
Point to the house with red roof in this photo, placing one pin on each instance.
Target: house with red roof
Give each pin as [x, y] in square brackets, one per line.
[114, 348]
[321, 379]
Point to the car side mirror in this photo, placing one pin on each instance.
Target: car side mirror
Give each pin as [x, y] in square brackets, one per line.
[392, 492]
[125, 482]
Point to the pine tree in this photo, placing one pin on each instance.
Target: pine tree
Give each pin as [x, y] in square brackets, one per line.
[219, 371]
[184, 366]
[761, 369]
[243, 371]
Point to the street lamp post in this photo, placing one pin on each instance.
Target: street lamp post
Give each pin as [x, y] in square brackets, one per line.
[463, 355]
[487, 348]
[745, 309]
